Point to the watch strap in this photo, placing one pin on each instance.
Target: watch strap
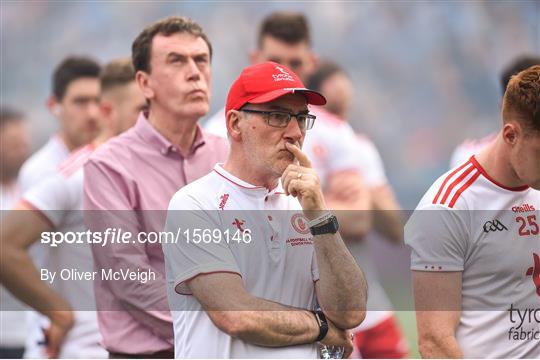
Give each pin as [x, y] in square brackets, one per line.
[323, 324]
[331, 226]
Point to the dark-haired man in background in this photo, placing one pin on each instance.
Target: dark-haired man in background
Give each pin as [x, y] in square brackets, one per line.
[74, 102]
[139, 171]
[284, 38]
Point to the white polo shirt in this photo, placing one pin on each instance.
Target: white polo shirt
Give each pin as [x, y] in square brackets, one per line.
[277, 264]
[490, 233]
[59, 199]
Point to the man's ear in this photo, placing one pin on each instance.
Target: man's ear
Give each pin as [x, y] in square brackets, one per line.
[143, 80]
[106, 108]
[511, 132]
[314, 60]
[314, 63]
[233, 125]
[53, 105]
[254, 56]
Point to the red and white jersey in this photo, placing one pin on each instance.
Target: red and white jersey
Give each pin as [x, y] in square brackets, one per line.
[332, 145]
[59, 200]
[469, 148]
[490, 233]
[332, 141]
[277, 262]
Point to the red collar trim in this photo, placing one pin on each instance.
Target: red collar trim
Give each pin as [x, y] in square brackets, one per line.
[487, 176]
[218, 168]
[238, 182]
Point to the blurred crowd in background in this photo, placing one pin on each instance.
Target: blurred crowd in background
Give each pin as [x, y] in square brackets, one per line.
[425, 74]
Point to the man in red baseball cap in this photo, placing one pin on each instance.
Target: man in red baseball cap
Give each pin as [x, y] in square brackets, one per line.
[252, 286]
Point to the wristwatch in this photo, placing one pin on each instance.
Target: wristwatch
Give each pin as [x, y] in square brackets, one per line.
[323, 324]
[329, 226]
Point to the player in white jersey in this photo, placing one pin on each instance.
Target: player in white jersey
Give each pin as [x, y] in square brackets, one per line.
[74, 103]
[475, 239]
[75, 90]
[58, 204]
[471, 147]
[379, 336]
[14, 150]
[277, 272]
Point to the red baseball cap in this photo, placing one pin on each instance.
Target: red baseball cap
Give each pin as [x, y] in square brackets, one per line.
[265, 82]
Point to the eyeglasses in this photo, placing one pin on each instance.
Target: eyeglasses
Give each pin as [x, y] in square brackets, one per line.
[281, 119]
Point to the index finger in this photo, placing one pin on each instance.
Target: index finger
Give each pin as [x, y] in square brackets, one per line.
[302, 158]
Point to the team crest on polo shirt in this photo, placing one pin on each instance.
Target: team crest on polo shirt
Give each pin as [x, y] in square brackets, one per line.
[283, 75]
[299, 224]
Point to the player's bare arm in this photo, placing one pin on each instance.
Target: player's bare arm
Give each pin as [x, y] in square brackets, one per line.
[437, 298]
[258, 321]
[342, 288]
[23, 227]
[347, 192]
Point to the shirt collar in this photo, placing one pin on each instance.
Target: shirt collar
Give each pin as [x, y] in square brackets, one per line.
[245, 186]
[153, 137]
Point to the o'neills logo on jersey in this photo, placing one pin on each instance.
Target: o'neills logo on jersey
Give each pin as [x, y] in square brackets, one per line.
[523, 208]
[299, 224]
[283, 75]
